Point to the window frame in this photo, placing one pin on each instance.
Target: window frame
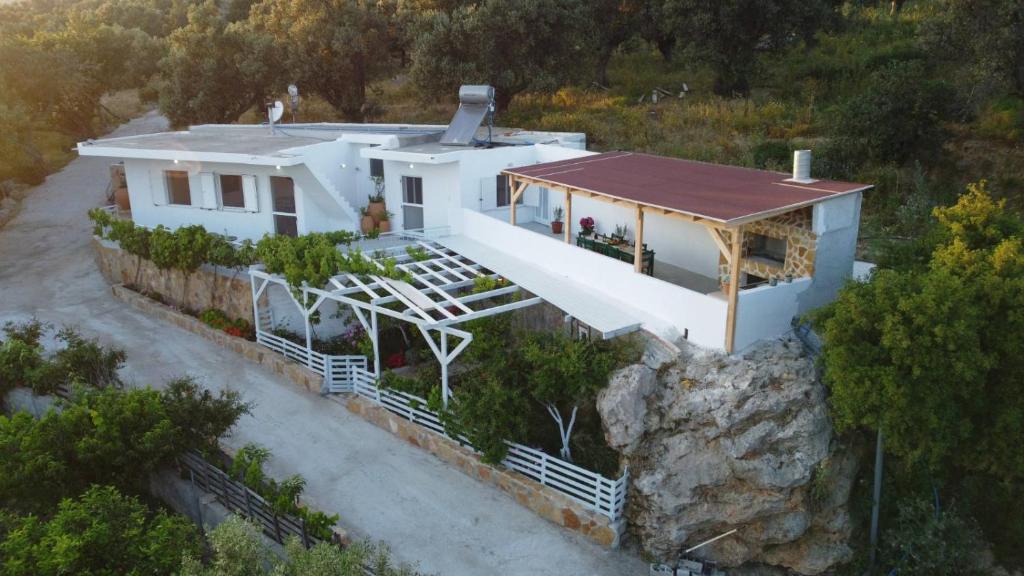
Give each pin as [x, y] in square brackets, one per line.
[168, 179]
[241, 193]
[275, 213]
[374, 164]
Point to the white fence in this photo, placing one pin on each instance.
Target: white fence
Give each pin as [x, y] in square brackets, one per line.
[603, 495]
[351, 374]
[338, 371]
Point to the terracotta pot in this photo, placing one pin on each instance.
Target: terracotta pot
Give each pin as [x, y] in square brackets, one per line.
[556, 227]
[121, 199]
[376, 209]
[384, 226]
[725, 287]
[366, 224]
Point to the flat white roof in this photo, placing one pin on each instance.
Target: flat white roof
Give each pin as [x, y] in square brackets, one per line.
[606, 316]
[248, 144]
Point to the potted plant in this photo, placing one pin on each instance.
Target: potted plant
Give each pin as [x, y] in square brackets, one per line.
[384, 225]
[586, 226]
[725, 283]
[376, 207]
[620, 234]
[556, 220]
[366, 222]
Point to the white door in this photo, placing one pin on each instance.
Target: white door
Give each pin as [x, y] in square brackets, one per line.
[543, 209]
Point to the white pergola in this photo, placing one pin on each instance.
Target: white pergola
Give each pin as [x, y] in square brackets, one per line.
[438, 298]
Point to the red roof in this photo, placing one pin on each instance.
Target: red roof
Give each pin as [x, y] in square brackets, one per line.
[726, 194]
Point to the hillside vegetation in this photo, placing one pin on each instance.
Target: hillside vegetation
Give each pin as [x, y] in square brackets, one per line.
[923, 99]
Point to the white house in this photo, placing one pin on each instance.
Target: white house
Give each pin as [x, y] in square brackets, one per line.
[730, 254]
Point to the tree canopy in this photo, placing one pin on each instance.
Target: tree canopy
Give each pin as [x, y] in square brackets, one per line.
[931, 355]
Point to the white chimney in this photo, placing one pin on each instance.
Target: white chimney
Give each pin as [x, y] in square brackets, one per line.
[802, 167]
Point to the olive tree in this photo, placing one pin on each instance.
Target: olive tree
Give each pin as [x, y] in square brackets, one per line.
[513, 45]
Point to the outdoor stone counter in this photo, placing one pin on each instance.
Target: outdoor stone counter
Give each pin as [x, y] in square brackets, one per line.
[545, 502]
[250, 350]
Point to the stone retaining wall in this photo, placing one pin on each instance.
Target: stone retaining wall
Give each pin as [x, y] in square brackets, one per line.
[250, 350]
[205, 288]
[545, 502]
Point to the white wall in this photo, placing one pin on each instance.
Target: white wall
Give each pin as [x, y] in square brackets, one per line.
[146, 182]
[440, 189]
[767, 311]
[836, 223]
[666, 309]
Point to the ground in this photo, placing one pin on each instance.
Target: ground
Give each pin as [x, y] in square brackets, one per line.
[384, 489]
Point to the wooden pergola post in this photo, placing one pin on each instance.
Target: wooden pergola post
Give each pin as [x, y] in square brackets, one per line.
[519, 189]
[638, 250]
[567, 227]
[734, 288]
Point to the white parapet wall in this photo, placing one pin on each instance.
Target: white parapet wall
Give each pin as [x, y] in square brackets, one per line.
[767, 311]
[665, 309]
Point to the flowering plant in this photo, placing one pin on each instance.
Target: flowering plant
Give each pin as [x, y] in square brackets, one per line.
[587, 223]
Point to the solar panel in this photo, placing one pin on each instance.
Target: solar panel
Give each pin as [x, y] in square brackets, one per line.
[474, 104]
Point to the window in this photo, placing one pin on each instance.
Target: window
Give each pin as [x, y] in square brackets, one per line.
[767, 247]
[504, 196]
[376, 168]
[412, 202]
[282, 192]
[412, 190]
[231, 194]
[178, 191]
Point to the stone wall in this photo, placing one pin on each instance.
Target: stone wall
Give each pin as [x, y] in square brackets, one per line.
[795, 228]
[265, 357]
[716, 442]
[205, 288]
[545, 502]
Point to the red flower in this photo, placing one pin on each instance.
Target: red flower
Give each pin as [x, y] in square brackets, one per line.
[587, 223]
[233, 331]
[396, 360]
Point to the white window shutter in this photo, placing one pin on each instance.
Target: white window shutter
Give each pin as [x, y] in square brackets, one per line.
[249, 193]
[158, 187]
[208, 185]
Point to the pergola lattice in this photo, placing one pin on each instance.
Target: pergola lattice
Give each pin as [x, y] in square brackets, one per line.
[439, 297]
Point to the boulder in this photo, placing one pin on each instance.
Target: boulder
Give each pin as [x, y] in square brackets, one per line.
[717, 442]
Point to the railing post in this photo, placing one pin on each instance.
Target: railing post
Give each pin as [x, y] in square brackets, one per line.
[544, 468]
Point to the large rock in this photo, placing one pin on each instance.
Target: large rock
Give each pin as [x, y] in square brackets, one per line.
[717, 442]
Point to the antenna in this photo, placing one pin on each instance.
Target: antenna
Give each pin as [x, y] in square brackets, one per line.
[293, 99]
[274, 113]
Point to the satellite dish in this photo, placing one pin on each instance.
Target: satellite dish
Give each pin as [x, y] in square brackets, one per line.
[276, 111]
[293, 90]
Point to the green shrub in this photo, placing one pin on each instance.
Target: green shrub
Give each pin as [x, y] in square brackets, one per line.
[99, 532]
[927, 541]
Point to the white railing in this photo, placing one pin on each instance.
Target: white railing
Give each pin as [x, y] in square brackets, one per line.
[601, 494]
[309, 358]
[351, 374]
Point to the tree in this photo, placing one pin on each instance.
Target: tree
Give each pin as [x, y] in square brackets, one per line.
[215, 71]
[986, 37]
[562, 373]
[201, 416]
[928, 541]
[513, 45]
[614, 22]
[932, 356]
[729, 33]
[100, 532]
[898, 116]
[333, 48]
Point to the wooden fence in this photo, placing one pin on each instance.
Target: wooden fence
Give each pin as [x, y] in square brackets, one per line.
[244, 501]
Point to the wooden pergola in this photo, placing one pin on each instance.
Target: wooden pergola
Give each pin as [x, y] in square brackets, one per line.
[728, 238]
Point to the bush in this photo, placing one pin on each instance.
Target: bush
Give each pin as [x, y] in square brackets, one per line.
[218, 320]
[898, 116]
[928, 541]
[100, 532]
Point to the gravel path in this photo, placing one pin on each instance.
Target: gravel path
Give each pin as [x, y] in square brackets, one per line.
[429, 513]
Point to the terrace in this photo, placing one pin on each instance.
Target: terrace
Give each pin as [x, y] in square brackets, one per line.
[711, 232]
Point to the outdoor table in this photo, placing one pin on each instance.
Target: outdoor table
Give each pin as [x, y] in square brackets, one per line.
[623, 251]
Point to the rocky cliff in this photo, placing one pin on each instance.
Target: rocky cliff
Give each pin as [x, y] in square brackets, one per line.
[716, 442]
